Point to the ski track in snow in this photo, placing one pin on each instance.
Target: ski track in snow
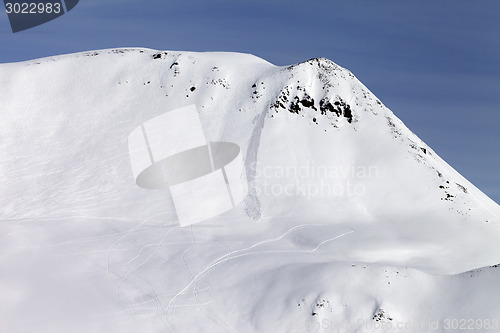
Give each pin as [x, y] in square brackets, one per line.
[130, 231]
[160, 306]
[133, 270]
[231, 255]
[189, 249]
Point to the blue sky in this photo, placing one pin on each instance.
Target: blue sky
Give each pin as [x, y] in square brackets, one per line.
[436, 64]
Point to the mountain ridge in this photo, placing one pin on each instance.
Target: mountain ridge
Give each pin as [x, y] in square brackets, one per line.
[346, 206]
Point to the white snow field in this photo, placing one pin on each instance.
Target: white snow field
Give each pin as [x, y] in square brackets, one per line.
[350, 223]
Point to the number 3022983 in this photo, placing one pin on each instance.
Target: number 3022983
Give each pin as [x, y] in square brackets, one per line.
[33, 8]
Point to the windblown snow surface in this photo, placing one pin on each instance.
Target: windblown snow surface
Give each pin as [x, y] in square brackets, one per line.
[351, 223]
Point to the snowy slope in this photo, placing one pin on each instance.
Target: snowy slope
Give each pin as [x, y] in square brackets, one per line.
[350, 219]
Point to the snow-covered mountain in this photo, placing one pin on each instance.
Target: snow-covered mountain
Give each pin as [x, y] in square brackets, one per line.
[351, 223]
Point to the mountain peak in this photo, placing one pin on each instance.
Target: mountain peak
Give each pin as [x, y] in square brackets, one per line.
[346, 209]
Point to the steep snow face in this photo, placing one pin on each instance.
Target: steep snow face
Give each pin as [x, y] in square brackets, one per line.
[347, 210]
